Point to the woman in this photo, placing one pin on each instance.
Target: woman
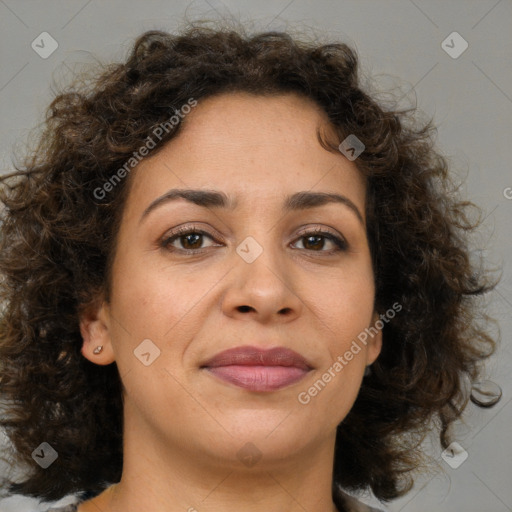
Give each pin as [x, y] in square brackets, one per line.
[273, 262]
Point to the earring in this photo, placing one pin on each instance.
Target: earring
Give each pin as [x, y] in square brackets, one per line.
[98, 350]
[368, 371]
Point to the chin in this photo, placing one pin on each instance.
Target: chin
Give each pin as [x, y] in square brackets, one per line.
[253, 451]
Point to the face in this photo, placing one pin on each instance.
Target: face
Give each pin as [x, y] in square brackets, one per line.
[192, 278]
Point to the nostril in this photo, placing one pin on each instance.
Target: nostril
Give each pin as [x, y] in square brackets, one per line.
[244, 309]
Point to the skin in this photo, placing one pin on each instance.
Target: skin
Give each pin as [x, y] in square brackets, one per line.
[183, 426]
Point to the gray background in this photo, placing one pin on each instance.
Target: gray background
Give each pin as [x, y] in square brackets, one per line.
[399, 43]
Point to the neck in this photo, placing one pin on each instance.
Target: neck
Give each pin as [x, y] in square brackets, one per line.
[163, 479]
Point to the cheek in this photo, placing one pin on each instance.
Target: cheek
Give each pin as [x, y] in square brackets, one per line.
[158, 303]
[342, 317]
[146, 301]
[344, 304]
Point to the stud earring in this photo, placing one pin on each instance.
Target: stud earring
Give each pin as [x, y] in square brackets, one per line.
[98, 350]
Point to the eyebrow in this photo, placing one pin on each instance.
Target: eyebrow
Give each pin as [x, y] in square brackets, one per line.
[216, 199]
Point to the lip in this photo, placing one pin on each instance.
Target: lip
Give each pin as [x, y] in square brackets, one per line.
[258, 369]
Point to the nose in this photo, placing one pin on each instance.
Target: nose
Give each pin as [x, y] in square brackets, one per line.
[263, 289]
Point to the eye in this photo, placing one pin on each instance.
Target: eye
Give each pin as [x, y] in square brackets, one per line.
[314, 240]
[189, 238]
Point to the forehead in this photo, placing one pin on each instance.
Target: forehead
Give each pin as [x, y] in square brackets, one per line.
[253, 123]
[258, 147]
[230, 111]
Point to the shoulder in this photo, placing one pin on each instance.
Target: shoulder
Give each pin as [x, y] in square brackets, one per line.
[78, 498]
[68, 508]
[347, 503]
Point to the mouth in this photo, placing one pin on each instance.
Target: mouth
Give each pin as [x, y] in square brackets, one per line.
[256, 369]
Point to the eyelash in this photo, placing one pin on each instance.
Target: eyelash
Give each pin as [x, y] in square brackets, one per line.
[340, 243]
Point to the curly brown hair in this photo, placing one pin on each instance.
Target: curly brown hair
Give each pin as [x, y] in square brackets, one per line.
[58, 240]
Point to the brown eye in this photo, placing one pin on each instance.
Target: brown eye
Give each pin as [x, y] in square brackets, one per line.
[186, 240]
[316, 241]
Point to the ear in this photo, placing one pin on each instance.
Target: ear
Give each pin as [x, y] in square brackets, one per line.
[374, 343]
[95, 330]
